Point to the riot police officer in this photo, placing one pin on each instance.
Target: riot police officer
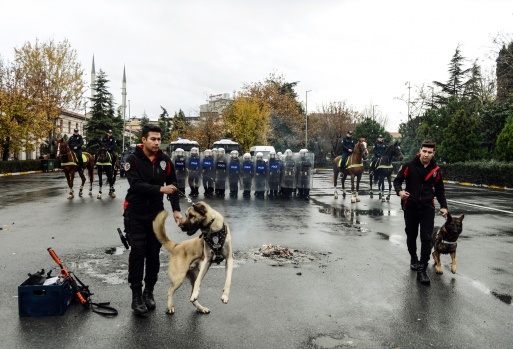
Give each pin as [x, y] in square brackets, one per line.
[288, 175]
[260, 175]
[247, 174]
[208, 172]
[304, 174]
[273, 179]
[220, 167]
[234, 173]
[181, 170]
[194, 172]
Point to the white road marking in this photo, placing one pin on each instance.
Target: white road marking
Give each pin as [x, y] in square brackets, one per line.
[480, 206]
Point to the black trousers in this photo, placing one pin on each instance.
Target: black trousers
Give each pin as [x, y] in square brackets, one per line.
[144, 252]
[422, 216]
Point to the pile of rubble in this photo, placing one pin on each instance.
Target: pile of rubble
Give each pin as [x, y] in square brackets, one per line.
[275, 252]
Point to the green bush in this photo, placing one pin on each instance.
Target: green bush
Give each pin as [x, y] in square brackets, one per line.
[24, 165]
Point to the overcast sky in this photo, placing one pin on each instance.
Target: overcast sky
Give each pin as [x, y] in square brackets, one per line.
[177, 53]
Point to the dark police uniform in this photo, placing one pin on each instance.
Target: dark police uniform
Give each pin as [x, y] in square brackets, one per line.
[143, 202]
[379, 150]
[77, 141]
[347, 144]
[423, 184]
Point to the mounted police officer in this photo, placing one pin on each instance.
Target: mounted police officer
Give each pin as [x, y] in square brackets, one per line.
[193, 166]
[288, 175]
[181, 170]
[347, 148]
[208, 172]
[273, 179]
[304, 174]
[260, 175]
[221, 172]
[76, 142]
[379, 151]
[110, 144]
[234, 173]
[247, 174]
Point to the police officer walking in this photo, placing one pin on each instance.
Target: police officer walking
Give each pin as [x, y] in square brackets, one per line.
[76, 142]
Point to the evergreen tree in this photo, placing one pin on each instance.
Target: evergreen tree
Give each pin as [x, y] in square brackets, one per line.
[504, 73]
[179, 125]
[371, 129]
[454, 87]
[145, 120]
[165, 125]
[504, 148]
[102, 115]
[461, 141]
[493, 119]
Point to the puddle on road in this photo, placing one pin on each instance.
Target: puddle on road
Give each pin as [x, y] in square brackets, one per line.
[29, 196]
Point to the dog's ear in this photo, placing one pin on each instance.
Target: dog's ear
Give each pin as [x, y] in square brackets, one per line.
[200, 208]
[461, 218]
[449, 217]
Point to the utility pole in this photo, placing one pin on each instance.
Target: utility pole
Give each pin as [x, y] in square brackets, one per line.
[306, 117]
[123, 105]
[409, 88]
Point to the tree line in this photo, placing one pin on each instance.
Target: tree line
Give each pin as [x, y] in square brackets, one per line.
[470, 115]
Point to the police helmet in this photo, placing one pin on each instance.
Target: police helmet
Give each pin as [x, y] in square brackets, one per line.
[179, 151]
[259, 156]
[288, 152]
[303, 152]
[272, 154]
[194, 151]
[246, 156]
[234, 154]
[220, 151]
[207, 152]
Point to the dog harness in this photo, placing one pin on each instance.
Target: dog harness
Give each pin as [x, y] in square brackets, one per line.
[215, 240]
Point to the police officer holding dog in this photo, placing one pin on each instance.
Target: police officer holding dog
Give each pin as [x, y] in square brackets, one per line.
[423, 182]
[150, 174]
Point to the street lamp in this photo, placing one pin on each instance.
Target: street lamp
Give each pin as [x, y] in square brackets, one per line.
[373, 114]
[306, 117]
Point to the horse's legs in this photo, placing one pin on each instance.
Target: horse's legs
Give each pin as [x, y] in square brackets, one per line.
[100, 181]
[389, 177]
[343, 180]
[69, 178]
[353, 196]
[112, 179]
[335, 177]
[371, 176]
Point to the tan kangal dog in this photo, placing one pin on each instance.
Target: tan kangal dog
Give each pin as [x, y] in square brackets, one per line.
[193, 257]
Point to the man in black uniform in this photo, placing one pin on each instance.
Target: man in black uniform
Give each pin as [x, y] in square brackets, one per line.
[379, 150]
[150, 174]
[347, 148]
[423, 182]
[110, 143]
[75, 142]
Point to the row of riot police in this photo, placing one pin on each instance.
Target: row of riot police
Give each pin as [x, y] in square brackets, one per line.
[277, 175]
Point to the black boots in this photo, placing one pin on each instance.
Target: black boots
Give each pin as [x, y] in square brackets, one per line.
[138, 305]
[414, 264]
[148, 298]
[422, 275]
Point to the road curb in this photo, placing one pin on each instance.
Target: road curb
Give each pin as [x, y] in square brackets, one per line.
[25, 172]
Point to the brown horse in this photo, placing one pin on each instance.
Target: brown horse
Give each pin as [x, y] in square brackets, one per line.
[353, 168]
[69, 165]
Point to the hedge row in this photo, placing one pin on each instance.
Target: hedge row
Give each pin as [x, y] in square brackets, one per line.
[24, 165]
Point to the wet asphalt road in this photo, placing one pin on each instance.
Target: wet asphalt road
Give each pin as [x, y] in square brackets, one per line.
[348, 285]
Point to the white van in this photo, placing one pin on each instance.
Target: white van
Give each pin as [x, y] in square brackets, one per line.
[264, 149]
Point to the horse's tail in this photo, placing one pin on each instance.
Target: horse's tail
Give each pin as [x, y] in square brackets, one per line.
[160, 231]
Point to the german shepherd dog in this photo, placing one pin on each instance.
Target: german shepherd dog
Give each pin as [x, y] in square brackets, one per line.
[444, 241]
[193, 257]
